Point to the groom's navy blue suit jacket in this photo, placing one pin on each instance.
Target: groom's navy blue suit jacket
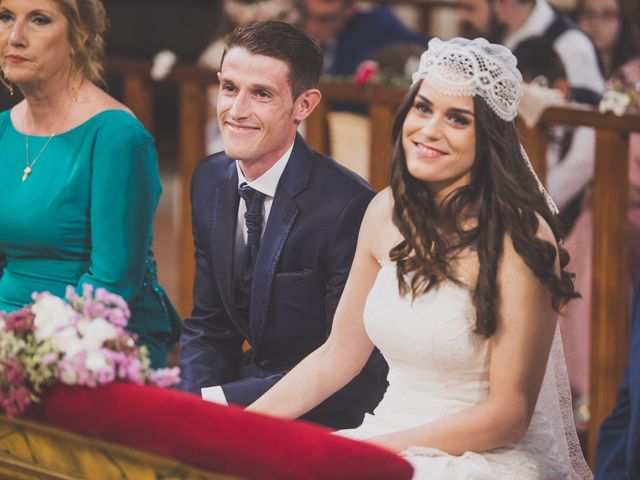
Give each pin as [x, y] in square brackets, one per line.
[618, 451]
[304, 259]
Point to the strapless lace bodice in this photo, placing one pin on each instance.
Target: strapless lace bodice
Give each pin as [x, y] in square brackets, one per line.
[439, 366]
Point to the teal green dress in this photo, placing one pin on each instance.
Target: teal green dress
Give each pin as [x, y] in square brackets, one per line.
[84, 215]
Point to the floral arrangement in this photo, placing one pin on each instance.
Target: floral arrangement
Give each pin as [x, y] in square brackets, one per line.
[79, 340]
[622, 90]
[615, 101]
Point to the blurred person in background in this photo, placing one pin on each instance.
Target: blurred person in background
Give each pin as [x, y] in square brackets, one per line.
[350, 35]
[510, 22]
[513, 21]
[619, 437]
[610, 27]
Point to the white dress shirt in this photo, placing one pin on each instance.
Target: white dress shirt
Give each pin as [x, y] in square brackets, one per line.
[267, 183]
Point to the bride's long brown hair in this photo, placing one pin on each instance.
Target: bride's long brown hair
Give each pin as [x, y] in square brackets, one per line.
[502, 198]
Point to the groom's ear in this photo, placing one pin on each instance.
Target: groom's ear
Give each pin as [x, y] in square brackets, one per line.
[306, 102]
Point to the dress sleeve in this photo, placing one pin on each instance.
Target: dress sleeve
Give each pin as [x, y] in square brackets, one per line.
[125, 189]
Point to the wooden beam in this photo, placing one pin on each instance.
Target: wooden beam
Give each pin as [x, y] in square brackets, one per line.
[193, 118]
[317, 129]
[381, 118]
[610, 298]
[138, 96]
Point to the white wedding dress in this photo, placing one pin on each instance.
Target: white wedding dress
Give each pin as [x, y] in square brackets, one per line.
[438, 366]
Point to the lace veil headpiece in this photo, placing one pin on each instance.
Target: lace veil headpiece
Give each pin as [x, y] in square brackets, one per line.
[463, 67]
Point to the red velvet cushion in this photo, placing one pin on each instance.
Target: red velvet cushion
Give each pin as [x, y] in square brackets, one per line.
[222, 439]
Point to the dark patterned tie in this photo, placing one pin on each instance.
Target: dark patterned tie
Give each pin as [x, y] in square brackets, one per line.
[254, 200]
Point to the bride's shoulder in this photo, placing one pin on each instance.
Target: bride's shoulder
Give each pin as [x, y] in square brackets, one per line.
[513, 261]
[378, 232]
[543, 232]
[381, 207]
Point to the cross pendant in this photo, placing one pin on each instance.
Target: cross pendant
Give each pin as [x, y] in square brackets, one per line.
[26, 172]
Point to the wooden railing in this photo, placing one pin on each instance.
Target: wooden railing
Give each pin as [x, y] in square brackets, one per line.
[381, 102]
[609, 323]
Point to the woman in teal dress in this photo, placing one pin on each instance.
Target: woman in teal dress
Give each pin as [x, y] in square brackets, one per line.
[79, 181]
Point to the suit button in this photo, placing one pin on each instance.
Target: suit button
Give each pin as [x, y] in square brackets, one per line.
[264, 363]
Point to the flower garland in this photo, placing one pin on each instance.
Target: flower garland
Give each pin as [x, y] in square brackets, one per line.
[79, 340]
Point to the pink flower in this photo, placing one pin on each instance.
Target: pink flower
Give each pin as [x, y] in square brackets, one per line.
[15, 394]
[71, 295]
[20, 321]
[165, 377]
[366, 72]
[49, 359]
[87, 290]
[131, 369]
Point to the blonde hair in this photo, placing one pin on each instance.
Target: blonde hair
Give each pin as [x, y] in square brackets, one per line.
[87, 22]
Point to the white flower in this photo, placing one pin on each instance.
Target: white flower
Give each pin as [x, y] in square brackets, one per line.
[51, 314]
[616, 102]
[163, 62]
[96, 361]
[68, 374]
[96, 332]
[66, 340]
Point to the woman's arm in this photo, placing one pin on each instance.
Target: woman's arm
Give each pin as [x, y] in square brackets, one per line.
[346, 351]
[519, 351]
[125, 189]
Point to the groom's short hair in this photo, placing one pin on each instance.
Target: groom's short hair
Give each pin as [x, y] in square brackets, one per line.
[285, 42]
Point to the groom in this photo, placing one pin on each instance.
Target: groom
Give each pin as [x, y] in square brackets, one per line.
[275, 227]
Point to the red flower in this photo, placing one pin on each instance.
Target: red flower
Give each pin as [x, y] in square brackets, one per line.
[366, 72]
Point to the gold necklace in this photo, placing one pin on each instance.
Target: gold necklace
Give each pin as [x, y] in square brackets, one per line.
[29, 168]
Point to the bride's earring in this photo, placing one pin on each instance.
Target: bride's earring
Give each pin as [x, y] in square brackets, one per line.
[6, 83]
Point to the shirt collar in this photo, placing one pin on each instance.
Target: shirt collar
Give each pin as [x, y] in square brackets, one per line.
[541, 16]
[267, 183]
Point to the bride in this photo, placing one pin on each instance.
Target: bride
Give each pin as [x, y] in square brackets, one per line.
[457, 279]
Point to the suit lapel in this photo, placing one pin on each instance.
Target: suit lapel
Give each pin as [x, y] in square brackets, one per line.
[282, 217]
[223, 234]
